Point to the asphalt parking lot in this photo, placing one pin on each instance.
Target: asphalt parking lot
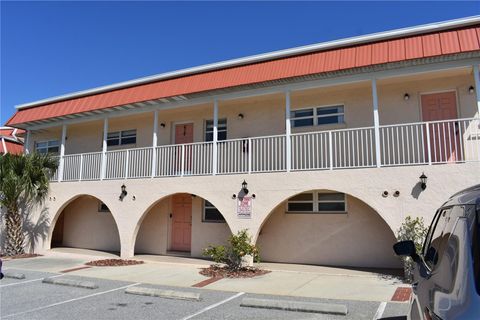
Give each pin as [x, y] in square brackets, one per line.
[30, 298]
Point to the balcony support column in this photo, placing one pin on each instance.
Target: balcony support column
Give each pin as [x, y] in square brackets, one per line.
[26, 144]
[215, 136]
[62, 153]
[104, 149]
[288, 132]
[376, 123]
[154, 143]
[476, 76]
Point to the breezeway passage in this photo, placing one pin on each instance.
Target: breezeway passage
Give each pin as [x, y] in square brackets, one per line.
[37, 300]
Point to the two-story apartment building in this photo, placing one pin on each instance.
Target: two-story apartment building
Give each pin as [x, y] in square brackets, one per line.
[330, 139]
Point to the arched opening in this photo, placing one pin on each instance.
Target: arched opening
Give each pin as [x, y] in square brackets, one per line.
[86, 223]
[180, 224]
[324, 227]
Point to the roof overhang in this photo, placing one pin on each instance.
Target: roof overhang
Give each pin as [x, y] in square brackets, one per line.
[386, 71]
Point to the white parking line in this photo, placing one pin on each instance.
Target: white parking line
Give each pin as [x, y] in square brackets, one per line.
[28, 281]
[213, 306]
[380, 310]
[68, 301]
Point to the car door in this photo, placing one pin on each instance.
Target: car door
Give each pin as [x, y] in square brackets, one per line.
[438, 270]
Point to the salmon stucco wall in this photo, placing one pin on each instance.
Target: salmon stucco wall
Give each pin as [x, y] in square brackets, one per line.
[154, 234]
[86, 227]
[359, 237]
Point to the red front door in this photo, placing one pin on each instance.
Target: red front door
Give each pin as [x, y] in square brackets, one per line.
[184, 133]
[181, 222]
[444, 136]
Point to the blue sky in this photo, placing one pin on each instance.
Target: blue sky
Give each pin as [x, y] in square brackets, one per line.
[52, 48]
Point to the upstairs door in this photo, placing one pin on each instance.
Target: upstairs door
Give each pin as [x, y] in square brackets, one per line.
[181, 222]
[445, 137]
[184, 134]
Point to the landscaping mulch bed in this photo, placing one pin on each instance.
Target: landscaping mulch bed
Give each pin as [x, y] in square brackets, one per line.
[113, 263]
[20, 256]
[222, 272]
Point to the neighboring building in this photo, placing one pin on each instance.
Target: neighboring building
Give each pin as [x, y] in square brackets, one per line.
[10, 140]
[330, 138]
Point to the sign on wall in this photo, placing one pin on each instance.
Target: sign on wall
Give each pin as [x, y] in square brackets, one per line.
[244, 207]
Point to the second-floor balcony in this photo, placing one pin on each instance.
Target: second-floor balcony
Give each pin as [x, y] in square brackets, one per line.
[420, 143]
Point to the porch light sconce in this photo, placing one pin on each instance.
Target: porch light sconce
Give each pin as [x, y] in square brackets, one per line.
[124, 192]
[162, 125]
[423, 181]
[240, 116]
[244, 187]
[406, 97]
[471, 89]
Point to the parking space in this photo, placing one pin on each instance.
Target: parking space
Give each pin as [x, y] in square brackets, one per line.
[29, 298]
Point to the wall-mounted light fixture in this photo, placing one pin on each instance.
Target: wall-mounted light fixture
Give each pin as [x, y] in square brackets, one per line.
[423, 181]
[471, 89]
[240, 116]
[124, 192]
[406, 97]
[162, 125]
[245, 187]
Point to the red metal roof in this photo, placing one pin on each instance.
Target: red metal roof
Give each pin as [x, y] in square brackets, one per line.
[12, 147]
[421, 46]
[8, 132]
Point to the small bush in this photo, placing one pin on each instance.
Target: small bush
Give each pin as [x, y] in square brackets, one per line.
[240, 245]
[412, 229]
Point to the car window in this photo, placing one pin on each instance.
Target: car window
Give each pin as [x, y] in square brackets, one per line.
[439, 238]
[431, 229]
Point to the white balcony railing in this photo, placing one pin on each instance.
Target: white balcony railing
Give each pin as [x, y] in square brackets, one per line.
[422, 143]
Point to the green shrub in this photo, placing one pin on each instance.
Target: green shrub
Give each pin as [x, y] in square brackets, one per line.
[240, 245]
[412, 229]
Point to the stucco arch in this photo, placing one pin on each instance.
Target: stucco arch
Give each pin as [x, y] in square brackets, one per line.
[275, 203]
[65, 204]
[162, 221]
[358, 238]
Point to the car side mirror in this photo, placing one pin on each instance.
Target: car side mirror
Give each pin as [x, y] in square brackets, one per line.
[406, 249]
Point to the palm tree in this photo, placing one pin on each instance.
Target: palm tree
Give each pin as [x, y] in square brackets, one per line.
[24, 183]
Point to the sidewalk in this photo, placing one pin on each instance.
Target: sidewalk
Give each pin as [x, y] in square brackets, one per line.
[284, 279]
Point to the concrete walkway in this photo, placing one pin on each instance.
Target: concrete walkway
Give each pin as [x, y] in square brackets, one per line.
[285, 279]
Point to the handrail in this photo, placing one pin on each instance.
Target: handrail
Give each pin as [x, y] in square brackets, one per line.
[416, 143]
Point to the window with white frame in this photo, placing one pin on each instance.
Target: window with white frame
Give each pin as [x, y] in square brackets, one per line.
[211, 214]
[317, 116]
[119, 138]
[317, 202]
[50, 146]
[221, 129]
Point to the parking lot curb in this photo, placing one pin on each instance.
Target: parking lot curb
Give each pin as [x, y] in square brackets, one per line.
[18, 276]
[167, 294]
[71, 283]
[299, 306]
